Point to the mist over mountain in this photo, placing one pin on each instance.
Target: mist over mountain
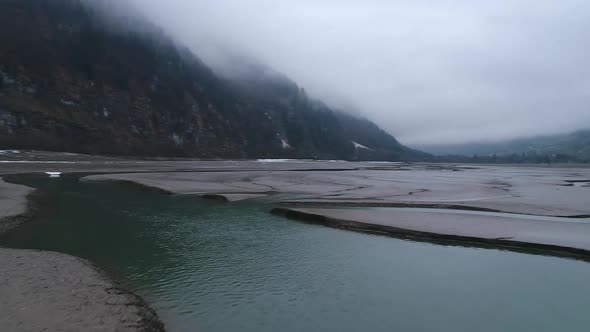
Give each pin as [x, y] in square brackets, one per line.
[76, 78]
[572, 147]
[430, 72]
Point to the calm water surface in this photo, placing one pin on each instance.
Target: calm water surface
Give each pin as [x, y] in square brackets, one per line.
[207, 266]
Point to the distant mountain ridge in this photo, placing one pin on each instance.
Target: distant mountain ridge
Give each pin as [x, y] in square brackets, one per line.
[573, 147]
[70, 82]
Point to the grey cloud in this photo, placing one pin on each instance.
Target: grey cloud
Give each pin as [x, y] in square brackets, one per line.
[427, 71]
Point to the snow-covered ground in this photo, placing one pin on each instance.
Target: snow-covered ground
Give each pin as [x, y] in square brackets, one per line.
[360, 146]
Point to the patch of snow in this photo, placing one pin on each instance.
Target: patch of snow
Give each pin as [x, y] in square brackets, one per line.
[42, 162]
[274, 160]
[53, 174]
[5, 152]
[285, 144]
[360, 146]
[386, 162]
[289, 160]
[6, 79]
[177, 139]
[68, 102]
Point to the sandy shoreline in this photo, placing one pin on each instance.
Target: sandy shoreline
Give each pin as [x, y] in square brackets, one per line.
[563, 239]
[57, 292]
[14, 205]
[51, 291]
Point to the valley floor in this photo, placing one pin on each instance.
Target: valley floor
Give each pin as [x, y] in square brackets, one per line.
[540, 208]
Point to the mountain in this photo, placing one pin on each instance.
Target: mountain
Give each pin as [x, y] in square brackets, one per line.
[74, 79]
[572, 147]
[256, 81]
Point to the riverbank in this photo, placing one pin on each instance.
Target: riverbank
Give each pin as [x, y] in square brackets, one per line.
[14, 205]
[47, 291]
[57, 292]
[520, 233]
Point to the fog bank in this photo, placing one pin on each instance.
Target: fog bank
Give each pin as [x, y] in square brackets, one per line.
[427, 72]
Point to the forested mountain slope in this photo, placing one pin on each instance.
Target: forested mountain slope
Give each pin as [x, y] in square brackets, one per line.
[72, 80]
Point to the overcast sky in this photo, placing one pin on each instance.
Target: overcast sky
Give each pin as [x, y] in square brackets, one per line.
[441, 71]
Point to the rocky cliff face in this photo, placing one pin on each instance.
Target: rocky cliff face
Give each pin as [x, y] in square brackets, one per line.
[70, 82]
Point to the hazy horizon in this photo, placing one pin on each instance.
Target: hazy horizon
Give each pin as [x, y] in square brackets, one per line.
[449, 72]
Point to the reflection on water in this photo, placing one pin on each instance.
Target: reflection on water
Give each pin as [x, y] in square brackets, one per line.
[208, 266]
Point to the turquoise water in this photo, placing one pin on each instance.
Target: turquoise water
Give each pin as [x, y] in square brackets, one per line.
[208, 266]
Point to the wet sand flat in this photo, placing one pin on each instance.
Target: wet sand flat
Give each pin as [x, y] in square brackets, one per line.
[46, 291]
[13, 203]
[508, 230]
[530, 190]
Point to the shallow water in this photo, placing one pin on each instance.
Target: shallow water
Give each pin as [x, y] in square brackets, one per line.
[208, 266]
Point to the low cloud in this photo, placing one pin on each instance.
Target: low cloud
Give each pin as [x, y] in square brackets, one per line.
[426, 71]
